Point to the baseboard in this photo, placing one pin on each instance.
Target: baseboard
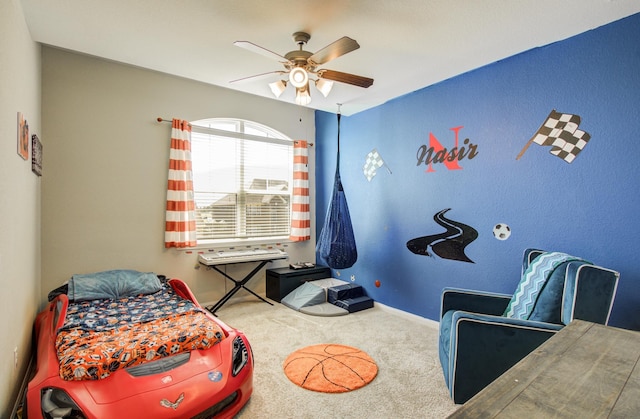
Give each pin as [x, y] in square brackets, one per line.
[428, 322]
[236, 300]
[21, 400]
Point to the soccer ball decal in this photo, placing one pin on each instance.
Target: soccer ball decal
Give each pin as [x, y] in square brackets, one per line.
[501, 231]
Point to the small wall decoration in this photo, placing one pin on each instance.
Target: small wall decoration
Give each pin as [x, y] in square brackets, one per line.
[23, 137]
[372, 163]
[36, 155]
[560, 131]
[501, 231]
[447, 245]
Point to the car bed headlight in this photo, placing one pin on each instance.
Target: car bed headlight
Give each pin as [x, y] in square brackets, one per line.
[240, 355]
[55, 403]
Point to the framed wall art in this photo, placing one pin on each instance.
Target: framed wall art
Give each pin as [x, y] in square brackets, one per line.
[23, 137]
[36, 155]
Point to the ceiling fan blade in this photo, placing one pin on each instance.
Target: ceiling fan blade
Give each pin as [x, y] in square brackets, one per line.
[250, 46]
[345, 78]
[334, 50]
[259, 75]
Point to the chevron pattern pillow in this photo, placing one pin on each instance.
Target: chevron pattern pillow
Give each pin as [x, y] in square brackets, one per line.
[532, 283]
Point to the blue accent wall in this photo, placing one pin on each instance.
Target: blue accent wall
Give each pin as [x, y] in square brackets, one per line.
[588, 208]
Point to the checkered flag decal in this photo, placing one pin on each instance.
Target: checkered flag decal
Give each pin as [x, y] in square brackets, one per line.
[372, 164]
[560, 131]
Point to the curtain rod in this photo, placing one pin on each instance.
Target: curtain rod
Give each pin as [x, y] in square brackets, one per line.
[160, 119]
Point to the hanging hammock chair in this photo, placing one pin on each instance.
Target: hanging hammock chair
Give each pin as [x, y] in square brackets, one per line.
[336, 245]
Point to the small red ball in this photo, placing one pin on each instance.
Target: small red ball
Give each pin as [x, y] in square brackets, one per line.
[377, 283]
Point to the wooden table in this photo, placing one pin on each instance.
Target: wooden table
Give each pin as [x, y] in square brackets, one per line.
[586, 370]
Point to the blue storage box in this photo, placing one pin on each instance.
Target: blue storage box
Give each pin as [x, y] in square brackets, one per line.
[355, 304]
[344, 292]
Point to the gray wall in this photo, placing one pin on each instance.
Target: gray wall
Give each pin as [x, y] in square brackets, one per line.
[20, 199]
[106, 160]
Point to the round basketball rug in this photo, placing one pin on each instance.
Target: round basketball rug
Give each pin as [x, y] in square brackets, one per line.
[330, 368]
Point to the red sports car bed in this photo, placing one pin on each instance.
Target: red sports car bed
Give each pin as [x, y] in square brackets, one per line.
[131, 344]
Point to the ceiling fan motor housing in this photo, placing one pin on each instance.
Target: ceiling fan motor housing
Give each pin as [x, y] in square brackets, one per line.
[301, 38]
[299, 58]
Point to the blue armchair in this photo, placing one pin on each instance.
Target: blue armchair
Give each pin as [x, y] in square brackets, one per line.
[484, 334]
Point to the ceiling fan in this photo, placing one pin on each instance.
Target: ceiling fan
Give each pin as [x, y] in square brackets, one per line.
[300, 65]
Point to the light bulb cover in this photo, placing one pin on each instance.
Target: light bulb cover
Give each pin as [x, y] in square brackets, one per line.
[303, 98]
[298, 77]
[324, 86]
[278, 87]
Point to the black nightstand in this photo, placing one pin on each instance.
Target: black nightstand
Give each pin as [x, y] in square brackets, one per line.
[281, 281]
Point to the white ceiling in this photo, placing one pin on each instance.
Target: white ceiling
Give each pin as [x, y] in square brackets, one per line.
[405, 45]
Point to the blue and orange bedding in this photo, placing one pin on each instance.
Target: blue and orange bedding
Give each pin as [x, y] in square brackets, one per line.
[101, 336]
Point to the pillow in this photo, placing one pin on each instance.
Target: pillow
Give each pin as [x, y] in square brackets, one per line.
[535, 278]
[548, 307]
[112, 284]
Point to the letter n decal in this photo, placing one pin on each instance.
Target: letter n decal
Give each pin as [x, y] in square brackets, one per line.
[435, 145]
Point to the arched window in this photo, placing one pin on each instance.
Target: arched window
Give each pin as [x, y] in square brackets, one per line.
[242, 177]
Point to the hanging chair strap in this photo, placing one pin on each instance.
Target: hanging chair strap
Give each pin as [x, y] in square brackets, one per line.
[337, 180]
[338, 163]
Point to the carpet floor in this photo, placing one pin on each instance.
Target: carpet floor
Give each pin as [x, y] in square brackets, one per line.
[409, 383]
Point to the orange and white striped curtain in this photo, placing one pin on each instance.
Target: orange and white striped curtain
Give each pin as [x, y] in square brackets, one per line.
[180, 226]
[300, 219]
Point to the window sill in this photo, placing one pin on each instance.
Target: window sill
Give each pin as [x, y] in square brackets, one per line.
[239, 244]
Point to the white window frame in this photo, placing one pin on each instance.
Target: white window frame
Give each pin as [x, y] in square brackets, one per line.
[260, 133]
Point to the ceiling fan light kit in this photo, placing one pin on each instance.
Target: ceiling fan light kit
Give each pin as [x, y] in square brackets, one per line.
[303, 96]
[324, 86]
[298, 77]
[300, 64]
[278, 87]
